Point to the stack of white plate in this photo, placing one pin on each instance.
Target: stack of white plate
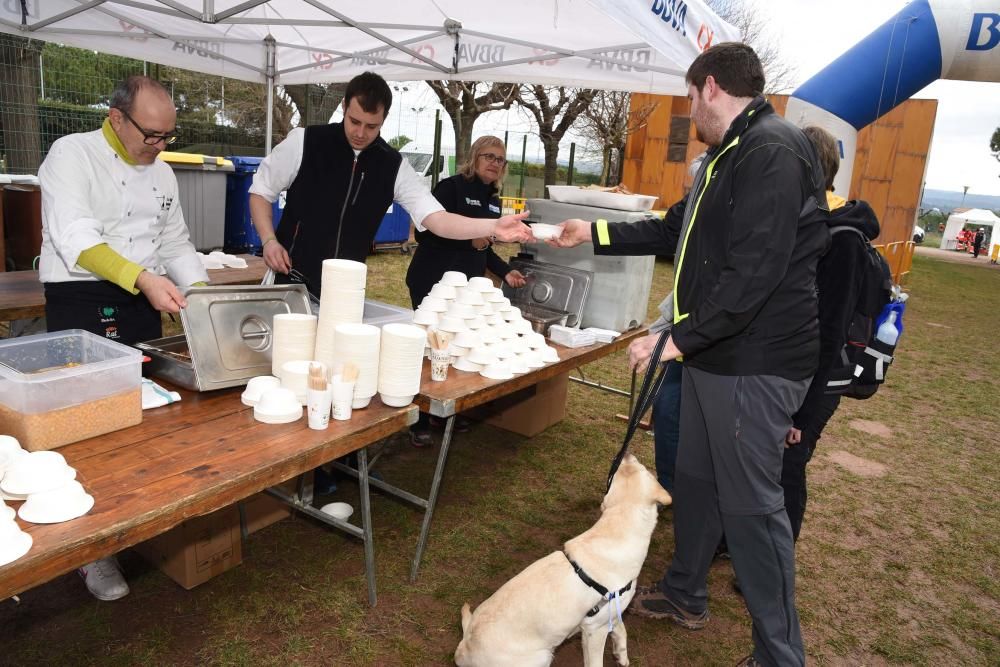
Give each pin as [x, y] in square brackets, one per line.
[400, 363]
[294, 338]
[342, 302]
[360, 344]
[14, 542]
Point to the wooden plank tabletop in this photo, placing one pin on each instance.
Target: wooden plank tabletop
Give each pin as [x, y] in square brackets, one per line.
[22, 296]
[184, 460]
[462, 391]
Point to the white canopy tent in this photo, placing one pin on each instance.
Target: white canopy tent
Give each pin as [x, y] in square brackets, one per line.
[638, 45]
[974, 216]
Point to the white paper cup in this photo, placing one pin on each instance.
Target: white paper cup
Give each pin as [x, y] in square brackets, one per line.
[440, 360]
[318, 408]
[342, 395]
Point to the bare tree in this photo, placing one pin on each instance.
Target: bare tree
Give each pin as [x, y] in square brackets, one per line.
[465, 101]
[607, 123]
[746, 17]
[555, 109]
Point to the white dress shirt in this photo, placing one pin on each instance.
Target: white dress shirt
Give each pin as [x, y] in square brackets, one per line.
[91, 196]
[278, 170]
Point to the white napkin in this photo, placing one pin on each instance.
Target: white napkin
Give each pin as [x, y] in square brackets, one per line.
[153, 395]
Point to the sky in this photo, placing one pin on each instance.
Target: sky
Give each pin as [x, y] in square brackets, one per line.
[968, 112]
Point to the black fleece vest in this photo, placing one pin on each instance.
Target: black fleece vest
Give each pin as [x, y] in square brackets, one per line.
[336, 203]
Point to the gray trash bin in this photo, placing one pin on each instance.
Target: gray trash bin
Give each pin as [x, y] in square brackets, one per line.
[201, 181]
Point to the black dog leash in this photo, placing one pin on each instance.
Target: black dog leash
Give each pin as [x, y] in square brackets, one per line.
[651, 384]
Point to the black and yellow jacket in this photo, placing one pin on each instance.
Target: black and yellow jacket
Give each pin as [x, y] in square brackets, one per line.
[745, 265]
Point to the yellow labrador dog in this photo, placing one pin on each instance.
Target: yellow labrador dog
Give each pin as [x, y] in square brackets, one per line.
[583, 588]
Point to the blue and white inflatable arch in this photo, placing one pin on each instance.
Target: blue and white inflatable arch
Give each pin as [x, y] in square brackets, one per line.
[927, 40]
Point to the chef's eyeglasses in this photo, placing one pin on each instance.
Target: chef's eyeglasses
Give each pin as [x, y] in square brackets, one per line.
[150, 138]
[491, 158]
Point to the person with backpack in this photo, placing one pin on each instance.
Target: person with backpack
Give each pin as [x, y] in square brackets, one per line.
[841, 282]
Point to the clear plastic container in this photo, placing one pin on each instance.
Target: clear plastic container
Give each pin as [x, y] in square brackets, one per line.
[61, 387]
[379, 314]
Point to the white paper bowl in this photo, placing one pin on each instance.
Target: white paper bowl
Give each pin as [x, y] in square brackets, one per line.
[37, 472]
[498, 371]
[523, 326]
[535, 340]
[481, 284]
[461, 310]
[9, 443]
[443, 291]
[63, 504]
[517, 365]
[342, 511]
[360, 402]
[425, 317]
[467, 339]
[489, 335]
[544, 232]
[485, 309]
[277, 406]
[14, 544]
[549, 354]
[469, 296]
[463, 364]
[6, 512]
[482, 355]
[533, 359]
[257, 386]
[496, 298]
[451, 324]
[396, 401]
[457, 350]
[435, 304]
[454, 278]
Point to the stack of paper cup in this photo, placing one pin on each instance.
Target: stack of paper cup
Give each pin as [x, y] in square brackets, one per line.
[342, 302]
[359, 344]
[294, 338]
[400, 363]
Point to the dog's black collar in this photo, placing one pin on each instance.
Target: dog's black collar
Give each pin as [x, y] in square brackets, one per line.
[585, 578]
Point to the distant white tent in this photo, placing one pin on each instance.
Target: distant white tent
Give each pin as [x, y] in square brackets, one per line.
[974, 216]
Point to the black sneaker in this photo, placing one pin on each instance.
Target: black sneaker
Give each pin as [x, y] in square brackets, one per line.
[651, 603]
[749, 661]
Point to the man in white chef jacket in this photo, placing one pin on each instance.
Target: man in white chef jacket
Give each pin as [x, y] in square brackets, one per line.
[115, 249]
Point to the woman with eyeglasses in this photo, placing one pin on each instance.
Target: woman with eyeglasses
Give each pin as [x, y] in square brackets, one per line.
[473, 192]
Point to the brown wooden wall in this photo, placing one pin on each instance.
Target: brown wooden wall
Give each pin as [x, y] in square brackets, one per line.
[889, 165]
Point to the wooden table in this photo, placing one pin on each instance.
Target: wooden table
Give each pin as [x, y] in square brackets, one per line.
[188, 459]
[463, 391]
[23, 297]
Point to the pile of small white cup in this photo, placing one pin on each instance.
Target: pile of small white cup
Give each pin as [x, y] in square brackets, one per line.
[489, 335]
[400, 361]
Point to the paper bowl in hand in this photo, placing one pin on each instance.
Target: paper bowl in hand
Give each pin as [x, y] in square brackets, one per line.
[544, 232]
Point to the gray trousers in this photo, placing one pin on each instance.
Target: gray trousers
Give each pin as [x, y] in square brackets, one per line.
[728, 475]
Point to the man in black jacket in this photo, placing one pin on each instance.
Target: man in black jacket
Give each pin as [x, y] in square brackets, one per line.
[745, 322]
[340, 179]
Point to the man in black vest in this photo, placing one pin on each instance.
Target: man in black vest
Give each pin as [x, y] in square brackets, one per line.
[340, 179]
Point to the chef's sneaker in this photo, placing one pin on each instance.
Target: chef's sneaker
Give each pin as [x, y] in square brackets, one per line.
[104, 579]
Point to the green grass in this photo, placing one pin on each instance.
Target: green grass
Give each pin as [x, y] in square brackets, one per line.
[898, 569]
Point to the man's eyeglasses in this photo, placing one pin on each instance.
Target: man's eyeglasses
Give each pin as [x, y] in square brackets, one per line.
[491, 158]
[151, 138]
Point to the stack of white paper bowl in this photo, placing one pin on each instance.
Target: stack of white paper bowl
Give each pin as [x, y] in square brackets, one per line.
[400, 363]
[470, 296]
[425, 318]
[517, 365]
[454, 279]
[451, 324]
[532, 358]
[14, 542]
[359, 344]
[498, 371]
[277, 406]
[550, 355]
[64, 503]
[294, 338]
[37, 472]
[535, 340]
[10, 451]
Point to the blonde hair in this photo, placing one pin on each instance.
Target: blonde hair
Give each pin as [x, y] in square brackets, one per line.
[479, 146]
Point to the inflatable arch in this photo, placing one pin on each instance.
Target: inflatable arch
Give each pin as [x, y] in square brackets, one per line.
[927, 40]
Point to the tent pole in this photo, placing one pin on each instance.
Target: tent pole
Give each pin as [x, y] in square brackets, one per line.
[269, 73]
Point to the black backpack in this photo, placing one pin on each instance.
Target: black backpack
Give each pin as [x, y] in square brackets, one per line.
[864, 359]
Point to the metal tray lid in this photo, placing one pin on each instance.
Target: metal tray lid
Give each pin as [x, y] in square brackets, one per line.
[229, 329]
[551, 286]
